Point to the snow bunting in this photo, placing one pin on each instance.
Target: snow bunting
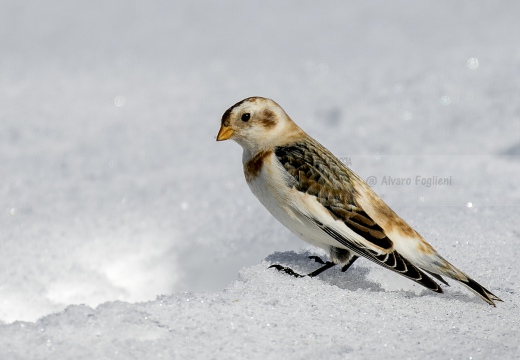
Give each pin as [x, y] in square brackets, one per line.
[312, 193]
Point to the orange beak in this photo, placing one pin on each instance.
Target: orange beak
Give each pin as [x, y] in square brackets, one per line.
[224, 133]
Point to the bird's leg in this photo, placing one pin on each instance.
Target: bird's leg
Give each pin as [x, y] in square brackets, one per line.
[350, 262]
[317, 259]
[316, 272]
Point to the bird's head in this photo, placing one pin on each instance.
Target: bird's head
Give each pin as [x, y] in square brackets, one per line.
[256, 123]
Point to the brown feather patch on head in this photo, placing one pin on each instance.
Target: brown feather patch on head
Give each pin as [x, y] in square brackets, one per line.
[268, 118]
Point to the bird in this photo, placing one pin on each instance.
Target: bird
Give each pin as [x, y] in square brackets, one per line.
[321, 200]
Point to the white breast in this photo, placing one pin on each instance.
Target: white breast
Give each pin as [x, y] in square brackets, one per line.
[288, 205]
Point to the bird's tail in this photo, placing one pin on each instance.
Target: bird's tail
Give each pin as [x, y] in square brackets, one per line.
[443, 267]
[484, 293]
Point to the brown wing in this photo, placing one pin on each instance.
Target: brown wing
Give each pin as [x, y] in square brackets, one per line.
[319, 173]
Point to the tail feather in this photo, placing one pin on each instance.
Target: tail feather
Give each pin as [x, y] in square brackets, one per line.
[484, 293]
[442, 266]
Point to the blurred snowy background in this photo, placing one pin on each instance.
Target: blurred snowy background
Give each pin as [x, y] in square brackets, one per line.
[113, 187]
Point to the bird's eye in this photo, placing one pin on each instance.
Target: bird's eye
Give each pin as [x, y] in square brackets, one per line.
[246, 117]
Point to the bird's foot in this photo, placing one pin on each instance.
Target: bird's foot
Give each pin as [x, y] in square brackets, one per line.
[286, 270]
[326, 265]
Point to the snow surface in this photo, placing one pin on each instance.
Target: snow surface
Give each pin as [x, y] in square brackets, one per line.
[115, 194]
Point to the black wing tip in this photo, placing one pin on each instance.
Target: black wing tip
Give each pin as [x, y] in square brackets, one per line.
[438, 289]
[428, 282]
[400, 265]
[438, 277]
[413, 273]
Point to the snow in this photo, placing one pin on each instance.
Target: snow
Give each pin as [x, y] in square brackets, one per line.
[128, 232]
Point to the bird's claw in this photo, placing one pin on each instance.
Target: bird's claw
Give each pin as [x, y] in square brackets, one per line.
[285, 270]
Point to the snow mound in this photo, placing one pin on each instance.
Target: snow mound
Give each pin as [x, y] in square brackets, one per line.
[268, 314]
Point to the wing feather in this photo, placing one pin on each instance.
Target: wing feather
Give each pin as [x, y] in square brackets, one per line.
[392, 261]
[310, 166]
